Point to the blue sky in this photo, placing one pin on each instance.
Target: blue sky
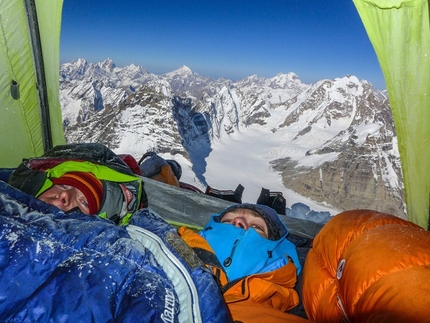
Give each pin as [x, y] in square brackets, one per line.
[233, 39]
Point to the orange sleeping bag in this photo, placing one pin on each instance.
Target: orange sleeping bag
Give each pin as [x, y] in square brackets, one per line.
[366, 266]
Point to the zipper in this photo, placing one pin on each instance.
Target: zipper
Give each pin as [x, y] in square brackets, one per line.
[230, 284]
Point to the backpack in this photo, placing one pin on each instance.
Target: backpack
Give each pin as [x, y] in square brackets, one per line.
[157, 168]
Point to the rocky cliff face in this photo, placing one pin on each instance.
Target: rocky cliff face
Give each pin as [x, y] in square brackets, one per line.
[366, 171]
[335, 139]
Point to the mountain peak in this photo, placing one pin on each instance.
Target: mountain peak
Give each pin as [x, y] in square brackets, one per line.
[183, 71]
[107, 65]
[81, 62]
[290, 77]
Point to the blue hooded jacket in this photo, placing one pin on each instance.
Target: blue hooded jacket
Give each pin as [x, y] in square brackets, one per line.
[244, 252]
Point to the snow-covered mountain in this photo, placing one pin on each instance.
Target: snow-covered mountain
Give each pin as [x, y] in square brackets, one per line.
[331, 144]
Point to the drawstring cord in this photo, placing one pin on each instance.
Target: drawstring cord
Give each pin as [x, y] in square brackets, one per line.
[227, 262]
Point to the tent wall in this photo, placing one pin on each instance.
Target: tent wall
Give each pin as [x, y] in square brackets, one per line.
[399, 32]
[20, 116]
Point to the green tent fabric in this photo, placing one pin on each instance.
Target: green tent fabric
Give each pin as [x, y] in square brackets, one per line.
[399, 32]
[21, 121]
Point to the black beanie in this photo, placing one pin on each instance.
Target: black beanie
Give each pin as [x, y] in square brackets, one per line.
[275, 226]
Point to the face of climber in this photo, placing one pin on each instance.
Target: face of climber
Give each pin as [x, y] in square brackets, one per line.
[66, 198]
[245, 219]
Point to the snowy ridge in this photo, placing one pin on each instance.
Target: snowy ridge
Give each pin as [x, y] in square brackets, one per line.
[331, 144]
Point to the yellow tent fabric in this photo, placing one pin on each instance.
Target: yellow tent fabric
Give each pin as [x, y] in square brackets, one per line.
[20, 116]
[399, 32]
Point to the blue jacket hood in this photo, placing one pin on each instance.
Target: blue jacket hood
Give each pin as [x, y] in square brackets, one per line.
[244, 252]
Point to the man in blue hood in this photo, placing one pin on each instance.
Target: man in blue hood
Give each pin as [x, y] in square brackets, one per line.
[246, 248]
[264, 247]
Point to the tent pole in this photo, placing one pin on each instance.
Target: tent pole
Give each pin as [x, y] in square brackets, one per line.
[39, 67]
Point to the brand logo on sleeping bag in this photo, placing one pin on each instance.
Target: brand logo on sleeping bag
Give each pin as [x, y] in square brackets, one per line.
[168, 315]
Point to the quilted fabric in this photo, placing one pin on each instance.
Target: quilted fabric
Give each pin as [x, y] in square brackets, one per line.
[367, 266]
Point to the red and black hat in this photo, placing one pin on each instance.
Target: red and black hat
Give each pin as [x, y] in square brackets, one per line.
[88, 184]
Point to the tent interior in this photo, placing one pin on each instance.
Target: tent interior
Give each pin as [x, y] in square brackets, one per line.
[31, 123]
[31, 120]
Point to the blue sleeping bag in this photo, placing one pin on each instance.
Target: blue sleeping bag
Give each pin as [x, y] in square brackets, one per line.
[71, 267]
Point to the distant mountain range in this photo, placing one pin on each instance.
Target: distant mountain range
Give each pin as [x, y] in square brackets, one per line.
[332, 142]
